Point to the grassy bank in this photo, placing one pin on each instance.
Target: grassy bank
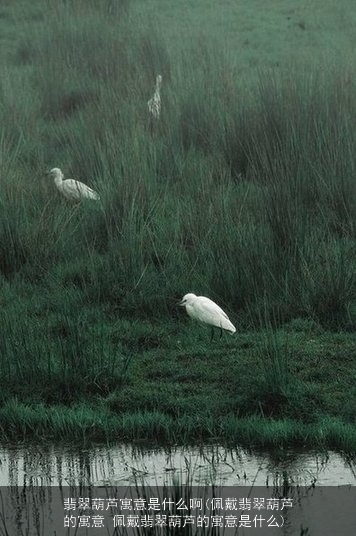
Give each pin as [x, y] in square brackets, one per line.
[134, 380]
[244, 191]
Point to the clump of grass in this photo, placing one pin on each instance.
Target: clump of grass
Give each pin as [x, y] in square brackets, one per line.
[64, 365]
[272, 390]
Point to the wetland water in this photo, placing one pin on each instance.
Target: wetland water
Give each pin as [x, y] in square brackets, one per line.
[98, 465]
[322, 485]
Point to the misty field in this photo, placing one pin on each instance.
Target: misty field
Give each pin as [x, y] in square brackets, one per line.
[244, 191]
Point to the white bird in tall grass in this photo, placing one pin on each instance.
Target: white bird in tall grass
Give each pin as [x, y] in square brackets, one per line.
[208, 312]
[71, 189]
[154, 104]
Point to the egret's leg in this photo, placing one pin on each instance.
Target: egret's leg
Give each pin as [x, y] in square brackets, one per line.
[221, 331]
[212, 334]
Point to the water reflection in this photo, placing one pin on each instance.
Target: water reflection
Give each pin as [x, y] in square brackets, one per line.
[38, 480]
[118, 465]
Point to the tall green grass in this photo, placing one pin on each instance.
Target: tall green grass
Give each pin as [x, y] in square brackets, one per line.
[248, 197]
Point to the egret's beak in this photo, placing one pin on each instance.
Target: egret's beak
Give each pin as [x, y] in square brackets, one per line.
[181, 303]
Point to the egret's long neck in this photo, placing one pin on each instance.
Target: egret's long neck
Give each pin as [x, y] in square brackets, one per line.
[58, 179]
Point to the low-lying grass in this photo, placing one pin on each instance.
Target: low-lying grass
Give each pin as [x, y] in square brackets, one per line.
[245, 195]
[126, 380]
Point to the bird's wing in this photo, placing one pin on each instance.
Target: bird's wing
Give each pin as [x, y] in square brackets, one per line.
[210, 313]
[154, 105]
[208, 305]
[78, 189]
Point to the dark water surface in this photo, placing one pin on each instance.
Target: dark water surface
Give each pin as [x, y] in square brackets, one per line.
[39, 482]
[123, 464]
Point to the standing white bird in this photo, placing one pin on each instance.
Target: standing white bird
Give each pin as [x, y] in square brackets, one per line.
[71, 189]
[154, 104]
[208, 312]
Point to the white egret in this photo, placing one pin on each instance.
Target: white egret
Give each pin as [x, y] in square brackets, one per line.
[208, 312]
[154, 104]
[71, 189]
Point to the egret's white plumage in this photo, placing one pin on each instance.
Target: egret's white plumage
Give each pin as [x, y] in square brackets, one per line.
[71, 189]
[154, 104]
[205, 310]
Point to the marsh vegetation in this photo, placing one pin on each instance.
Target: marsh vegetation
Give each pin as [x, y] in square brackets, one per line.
[243, 192]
